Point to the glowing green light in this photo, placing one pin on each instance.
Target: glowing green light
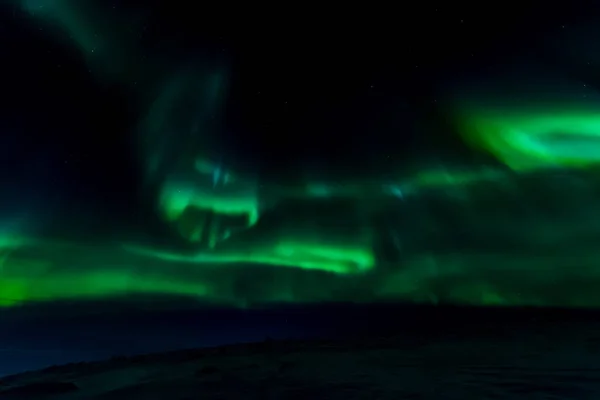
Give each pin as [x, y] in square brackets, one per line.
[554, 139]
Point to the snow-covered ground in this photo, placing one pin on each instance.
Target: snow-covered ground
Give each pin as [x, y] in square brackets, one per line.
[562, 364]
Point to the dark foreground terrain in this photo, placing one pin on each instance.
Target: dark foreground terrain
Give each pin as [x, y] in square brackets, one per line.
[532, 356]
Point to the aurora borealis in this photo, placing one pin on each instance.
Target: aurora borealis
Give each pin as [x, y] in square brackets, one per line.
[518, 229]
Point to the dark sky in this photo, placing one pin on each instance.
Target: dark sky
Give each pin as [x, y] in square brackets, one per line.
[308, 86]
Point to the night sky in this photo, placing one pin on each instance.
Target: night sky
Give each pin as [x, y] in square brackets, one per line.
[179, 167]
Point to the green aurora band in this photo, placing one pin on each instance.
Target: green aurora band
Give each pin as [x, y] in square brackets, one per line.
[521, 231]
